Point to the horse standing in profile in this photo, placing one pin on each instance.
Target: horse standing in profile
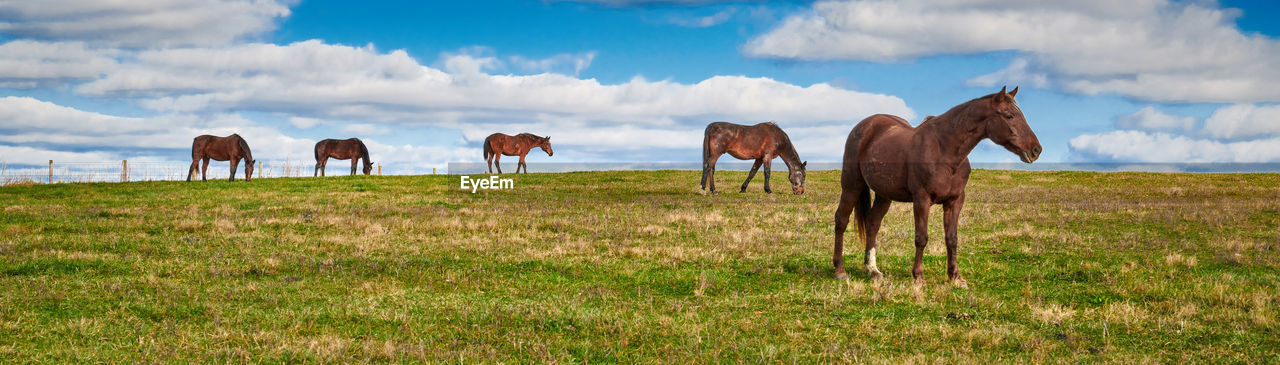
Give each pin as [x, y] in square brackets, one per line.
[923, 165]
[343, 149]
[230, 148]
[497, 145]
[761, 142]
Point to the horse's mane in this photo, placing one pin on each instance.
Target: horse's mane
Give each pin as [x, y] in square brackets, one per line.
[244, 146]
[531, 135]
[363, 150]
[955, 110]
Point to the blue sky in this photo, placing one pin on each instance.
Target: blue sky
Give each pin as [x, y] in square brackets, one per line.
[623, 80]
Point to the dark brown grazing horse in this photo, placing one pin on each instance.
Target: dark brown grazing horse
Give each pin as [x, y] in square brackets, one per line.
[343, 149]
[761, 142]
[924, 165]
[230, 148]
[497, 145]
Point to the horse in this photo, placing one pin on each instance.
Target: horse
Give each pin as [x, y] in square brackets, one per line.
[497, 145]
[924, 165]
[761, 142]
[342, 149]
[230, 148]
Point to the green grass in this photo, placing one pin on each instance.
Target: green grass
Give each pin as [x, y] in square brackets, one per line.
[635, 267]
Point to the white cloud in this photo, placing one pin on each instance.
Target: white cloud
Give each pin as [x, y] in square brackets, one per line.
[37, 156]
[1138, 146]
[303, 122]
[570, 64]
[29, 64]
[142, 23]
[1151, 119]
[1234, 133]
[703, 21]
[1244, 121]
[364, 129]
[332, 82]
[1153, 49]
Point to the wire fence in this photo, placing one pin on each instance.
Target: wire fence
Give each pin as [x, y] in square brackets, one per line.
[125, 170]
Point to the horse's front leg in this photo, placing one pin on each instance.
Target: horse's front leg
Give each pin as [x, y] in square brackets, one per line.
[951, 223]
[522, 165]
[234, 163]
[353, 165]
[922, 205]
[751, 174]
[767, 164]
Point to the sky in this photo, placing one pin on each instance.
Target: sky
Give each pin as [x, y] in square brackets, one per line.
[423, 82]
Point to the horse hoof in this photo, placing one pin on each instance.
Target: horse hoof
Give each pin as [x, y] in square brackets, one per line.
[841, 275]
[876, 275]
[960, 283]
[919, 282]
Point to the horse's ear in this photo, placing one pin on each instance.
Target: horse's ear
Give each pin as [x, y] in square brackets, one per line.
[1002, 88]
[804, 164]
[1014, 92]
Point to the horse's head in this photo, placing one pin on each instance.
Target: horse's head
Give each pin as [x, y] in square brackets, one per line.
[797, 178]
[546, 146]
[1007, 127]
[248, 169]
[368, 166]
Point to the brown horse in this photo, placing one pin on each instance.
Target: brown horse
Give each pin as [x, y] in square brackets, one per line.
[761, 142]
[230, 148]
[497, 145]
[343, 149]
[924, 165]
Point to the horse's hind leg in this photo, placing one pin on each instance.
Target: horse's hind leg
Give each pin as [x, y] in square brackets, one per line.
[751, 174]
[848, 200]
[497, 163]
[711, 173]
[191, 172]
[204, 170]
[876, 215]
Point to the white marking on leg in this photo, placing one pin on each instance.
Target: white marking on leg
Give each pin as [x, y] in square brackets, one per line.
[871, 260]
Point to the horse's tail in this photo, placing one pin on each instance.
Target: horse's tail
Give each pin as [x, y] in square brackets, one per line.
[860, 210]
[488, 150]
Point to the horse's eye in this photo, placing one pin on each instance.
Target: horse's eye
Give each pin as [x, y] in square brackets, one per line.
[1008, 116]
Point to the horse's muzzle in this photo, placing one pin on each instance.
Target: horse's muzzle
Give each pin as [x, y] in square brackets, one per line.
[798, 190]
[1031, 155]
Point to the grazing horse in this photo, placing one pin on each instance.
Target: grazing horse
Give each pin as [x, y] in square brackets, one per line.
[924, 165]
[230, 148]
[343, 149]
[761, 142]
[496, 145]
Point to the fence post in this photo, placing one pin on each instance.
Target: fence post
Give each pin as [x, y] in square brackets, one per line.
[50, 171]
[379, 169]
[433, 171]
[124, 170]
[259, 169]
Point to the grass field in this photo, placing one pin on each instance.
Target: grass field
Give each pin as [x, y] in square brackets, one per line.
[635, 267]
